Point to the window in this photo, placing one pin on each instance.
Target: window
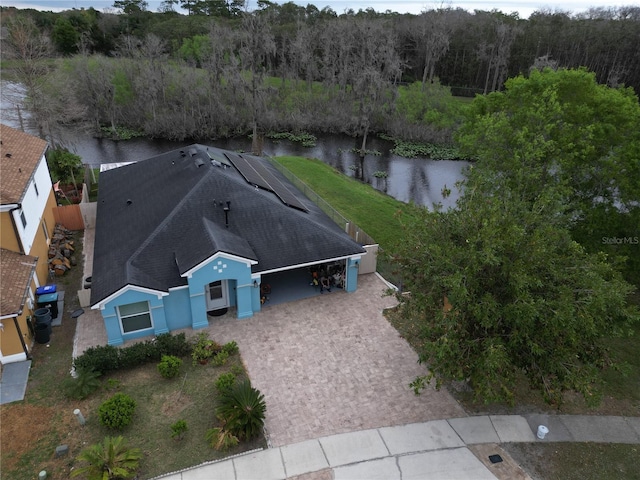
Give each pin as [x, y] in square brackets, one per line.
[135, 316]
[36, 187]
[45, 230]
[24, 219]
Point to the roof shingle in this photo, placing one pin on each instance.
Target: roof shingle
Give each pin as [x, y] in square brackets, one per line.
[17, 272]
[20, 154]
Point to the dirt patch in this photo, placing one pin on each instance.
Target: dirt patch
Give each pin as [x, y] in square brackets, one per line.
[506, 469]
[22, 425]
[174, 403]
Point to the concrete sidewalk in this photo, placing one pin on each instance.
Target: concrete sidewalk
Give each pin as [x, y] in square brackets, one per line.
[431, 450]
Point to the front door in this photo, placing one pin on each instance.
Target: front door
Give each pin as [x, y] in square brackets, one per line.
[217, 295]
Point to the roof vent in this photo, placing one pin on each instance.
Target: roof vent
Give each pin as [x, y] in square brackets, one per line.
[8, 155]
[193, 152]
[129, 201]
[199, 163]
[182, 154]
[226, 214]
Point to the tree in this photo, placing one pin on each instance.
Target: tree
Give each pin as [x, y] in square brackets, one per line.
[431, 31]
[131, 6]
[561, 129]
[30, 47]
[65, 36]
[257, 45]
[110, 460]
[65, 166]
[500, 291]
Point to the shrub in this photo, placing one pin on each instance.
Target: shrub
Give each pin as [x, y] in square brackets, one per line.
[231, 348]
[137, 354]
[225, 382]
[204, 348]
[113, 383]
[220, 358]
[84, 384]
[117, 412]
[178, 429]
[112, 459]
[102, 359]
[221, 439]
[169, 366]
[242, 409]
[106, 359]
[176, 345]
[237, 370]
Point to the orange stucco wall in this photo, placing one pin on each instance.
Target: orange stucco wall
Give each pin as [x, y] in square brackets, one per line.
[9, 337]
[7, 233]
[40, 247]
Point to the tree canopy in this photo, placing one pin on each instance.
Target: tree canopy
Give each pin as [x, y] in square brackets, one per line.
[500, 288]
[562, 130]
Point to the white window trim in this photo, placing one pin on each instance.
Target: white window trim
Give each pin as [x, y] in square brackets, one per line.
[46, 231]
[127, 316]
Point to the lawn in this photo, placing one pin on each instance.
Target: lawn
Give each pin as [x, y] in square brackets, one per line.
[32, 429]
[379, 215]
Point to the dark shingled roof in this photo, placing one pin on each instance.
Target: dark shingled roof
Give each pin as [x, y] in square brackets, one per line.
[161, 217]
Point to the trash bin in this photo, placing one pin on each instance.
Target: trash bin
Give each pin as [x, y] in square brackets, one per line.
[50, 301]
[43, 317]
[43, 333]
[46, 289]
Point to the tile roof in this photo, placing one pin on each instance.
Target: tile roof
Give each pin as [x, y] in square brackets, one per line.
[20, 154]
[17, 272]
[160, 217]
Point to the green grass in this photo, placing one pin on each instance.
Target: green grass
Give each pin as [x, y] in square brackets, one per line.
[577, 461]
[379, 215]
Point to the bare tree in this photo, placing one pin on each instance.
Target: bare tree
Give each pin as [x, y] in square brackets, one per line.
[431, 32]
[257, 45]
[27, 44]
[497, 53]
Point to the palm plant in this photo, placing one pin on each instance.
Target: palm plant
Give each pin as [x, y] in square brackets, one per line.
[110, 460]
[84, 384]
[242, 409]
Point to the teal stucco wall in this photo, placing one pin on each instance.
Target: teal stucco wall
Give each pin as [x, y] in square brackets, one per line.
[112, 324]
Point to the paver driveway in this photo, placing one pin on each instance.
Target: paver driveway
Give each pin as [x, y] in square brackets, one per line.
[332, 364]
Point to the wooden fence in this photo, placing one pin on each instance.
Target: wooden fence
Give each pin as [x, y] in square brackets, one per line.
[70, 216]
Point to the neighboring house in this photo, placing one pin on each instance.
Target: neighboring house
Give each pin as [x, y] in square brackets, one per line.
[194, 231]
[26, 226]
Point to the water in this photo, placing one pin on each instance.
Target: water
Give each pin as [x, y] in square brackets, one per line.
[417, 180]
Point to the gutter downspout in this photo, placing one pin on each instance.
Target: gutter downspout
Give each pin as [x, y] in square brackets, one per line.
[24, 345]
[22, 303]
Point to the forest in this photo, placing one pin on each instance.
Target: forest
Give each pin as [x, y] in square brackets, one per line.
[222, 70]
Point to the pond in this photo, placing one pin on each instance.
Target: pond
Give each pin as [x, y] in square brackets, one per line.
[419, 180]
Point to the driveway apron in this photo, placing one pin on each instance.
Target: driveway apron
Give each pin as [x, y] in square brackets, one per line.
[333, 364]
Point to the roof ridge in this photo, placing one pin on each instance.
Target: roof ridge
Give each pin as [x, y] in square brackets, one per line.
[162, 224]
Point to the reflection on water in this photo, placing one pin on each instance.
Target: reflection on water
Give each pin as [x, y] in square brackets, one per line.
[417, 180]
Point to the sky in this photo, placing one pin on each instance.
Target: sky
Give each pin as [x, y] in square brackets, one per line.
[523, 7]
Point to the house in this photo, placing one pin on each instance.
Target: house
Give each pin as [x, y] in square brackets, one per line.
[26, 227]
[193, 232]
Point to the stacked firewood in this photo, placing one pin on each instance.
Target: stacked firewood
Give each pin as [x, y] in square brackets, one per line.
[61, 251]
